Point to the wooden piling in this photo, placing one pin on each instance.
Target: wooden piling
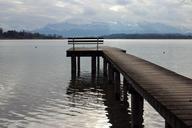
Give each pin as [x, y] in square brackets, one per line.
[125, 90]
[73, 67]
[117, 85]
[167, 125]
[104, 67]
[136, 110]
[78, 66]
[110, 73]
[98, 65]
[93, 65]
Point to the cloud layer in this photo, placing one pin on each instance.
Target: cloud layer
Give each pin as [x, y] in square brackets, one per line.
[30, 14]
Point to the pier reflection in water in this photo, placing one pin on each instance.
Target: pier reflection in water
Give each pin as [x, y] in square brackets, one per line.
[93, 93]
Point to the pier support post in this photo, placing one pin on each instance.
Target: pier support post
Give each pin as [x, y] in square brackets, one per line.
[104, 67]
[117, 85]
[167, 125]
[73, 67]
[136, 109]
[98, 64]
[93, 65]
[78, 66]
[110, 73]
[125, 91]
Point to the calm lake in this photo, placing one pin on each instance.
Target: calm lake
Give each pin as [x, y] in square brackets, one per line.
[36, 90]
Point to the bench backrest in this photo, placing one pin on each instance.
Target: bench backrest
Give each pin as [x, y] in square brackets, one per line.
[85, 40]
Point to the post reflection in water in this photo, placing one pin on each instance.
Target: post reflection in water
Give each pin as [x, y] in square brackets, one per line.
[93, 92]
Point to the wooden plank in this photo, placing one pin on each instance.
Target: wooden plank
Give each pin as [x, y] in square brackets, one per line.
[179, 107]
[85, 38]
[84, 42]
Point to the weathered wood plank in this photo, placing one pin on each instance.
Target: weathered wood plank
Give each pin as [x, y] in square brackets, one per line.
[86, 42]
[85, 38]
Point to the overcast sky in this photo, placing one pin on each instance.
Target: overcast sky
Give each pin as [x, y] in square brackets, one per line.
[33, 14]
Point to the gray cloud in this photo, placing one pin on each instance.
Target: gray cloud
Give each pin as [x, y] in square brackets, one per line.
[123, 2]
[30, 14]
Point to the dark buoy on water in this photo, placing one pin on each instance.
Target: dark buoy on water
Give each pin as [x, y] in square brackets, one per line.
[164, 52]
[35, 46]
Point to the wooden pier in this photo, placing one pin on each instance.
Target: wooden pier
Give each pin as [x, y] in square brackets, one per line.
[169, 93]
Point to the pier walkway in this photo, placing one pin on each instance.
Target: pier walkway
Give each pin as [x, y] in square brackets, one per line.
[169, 93]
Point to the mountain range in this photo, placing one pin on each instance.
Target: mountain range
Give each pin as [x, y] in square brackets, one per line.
[66, 29]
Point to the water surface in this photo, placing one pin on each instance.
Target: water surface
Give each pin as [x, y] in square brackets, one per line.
[36, 88]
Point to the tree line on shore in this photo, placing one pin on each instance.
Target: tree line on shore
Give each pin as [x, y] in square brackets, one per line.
[13, 34]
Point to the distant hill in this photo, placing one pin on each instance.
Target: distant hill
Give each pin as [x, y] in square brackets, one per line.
[149, 36]
[101, 28]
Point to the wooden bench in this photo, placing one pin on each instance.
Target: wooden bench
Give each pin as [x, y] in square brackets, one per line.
[85, 40]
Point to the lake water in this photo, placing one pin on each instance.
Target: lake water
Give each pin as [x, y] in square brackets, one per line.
[36, 90]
